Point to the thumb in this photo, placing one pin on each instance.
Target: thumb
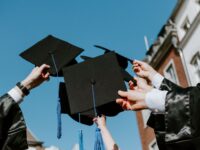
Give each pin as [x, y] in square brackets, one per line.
[123, 93]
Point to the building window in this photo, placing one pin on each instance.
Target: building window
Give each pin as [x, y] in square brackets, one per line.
[170, 72]
[153, 145]
[195, 62]
[186, 25]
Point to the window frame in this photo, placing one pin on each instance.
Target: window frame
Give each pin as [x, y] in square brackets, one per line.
[171, 63]
[185, 23]
[196, 58]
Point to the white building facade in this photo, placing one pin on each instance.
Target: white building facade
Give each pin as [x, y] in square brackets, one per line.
[187, 21]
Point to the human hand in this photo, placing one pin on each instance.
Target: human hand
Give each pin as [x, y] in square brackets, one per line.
[141, 84]
[143, 70]
[36, 77]
[132, 99]
[100, 121]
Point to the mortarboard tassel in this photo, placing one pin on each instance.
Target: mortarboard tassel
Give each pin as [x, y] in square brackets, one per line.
[81, 140]
[59, 128]
[98, 145]
[59, 122]
[80, 135]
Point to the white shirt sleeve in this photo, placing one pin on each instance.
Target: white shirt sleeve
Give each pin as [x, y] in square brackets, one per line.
[157, 80]
[16, 94]
[155, 100]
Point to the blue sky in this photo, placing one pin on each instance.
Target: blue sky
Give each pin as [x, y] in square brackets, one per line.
[116, 24]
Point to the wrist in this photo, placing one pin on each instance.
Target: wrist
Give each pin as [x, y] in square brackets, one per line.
[148, 88]
[151, 75]
[23, 88]
[102, 127]
[27, 84]
[157, 80]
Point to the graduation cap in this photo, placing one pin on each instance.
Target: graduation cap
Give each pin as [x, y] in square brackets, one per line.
[126, 76]
[52, 51]
[65, 109]
[92, 86]
[123, 61]
[87, 116]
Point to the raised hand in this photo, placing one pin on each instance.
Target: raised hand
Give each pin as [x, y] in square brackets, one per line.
[143, 70]
[36, 77]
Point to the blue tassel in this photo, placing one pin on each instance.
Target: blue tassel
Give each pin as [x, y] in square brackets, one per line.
[59, 128]
[81, 140]
[98, 140]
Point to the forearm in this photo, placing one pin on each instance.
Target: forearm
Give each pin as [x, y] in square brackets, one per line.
[108, 140]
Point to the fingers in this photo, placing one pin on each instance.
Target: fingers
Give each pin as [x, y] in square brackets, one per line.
[131, 85]
[137, 107]
[125, 104]
[131, 95]
[129, 105]
[135, 65]
[139, 65]
[123, 93]
[141, 73]
[137, 69]
[119, 101]
[43, 68]
[46, 76]
[138, 62]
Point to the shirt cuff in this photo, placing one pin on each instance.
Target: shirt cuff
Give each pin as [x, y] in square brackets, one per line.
[16, 94]
[157, 80]
[155, 100]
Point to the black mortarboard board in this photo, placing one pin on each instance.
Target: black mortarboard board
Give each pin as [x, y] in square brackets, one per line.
[85, 57]
[65, 109]
[94, 81]
[123, 61]
[126, 76]
[54, 52]
[87, 116]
